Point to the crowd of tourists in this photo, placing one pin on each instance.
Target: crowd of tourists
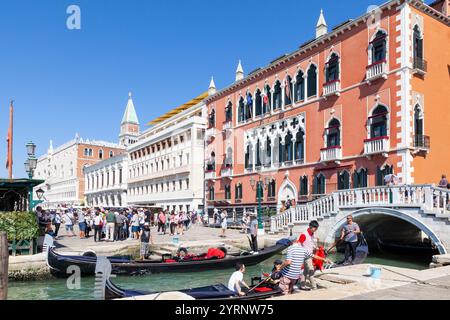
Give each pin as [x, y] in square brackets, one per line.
[115, 224]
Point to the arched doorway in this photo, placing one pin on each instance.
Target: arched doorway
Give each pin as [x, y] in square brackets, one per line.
[287, 190]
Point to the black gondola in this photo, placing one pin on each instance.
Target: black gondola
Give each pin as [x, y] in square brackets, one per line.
[214, 292]
[124, 266]
[425, 249]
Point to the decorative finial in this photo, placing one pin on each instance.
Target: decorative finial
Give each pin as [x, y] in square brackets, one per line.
[129, 95]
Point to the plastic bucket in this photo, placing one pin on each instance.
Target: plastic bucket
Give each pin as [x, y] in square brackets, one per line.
[176, 240]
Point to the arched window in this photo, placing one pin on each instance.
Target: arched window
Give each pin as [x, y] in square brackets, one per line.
[249, 106]
[258, 153]
[288, 91]
[304, 186]
[248, 163]
[227, 192]
[238, 191]
[419, 138]
[100, 154]
[343, 180]
[211, 166]
[258, 103]
[111, 154]
[212, 119]
[288, 154]
[360, 178]
[229, 112]
[268, 161]
[277, 96]
[312, 81]
[267, 101]
[382, 173]
[299, 88]
[241, 110]
[417, 44]
[319, 184]
[333, 133]
[379, 47]
[211, 193]
[378, 122]
[271, 190]
[229, 158]
[300, 146]
[332, 68]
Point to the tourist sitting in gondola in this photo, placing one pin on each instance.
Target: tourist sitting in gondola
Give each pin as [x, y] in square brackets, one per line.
[236, 281]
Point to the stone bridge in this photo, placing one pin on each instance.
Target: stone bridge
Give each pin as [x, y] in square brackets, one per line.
[404, 211]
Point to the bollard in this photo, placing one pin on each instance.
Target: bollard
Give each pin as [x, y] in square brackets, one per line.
[4, 257]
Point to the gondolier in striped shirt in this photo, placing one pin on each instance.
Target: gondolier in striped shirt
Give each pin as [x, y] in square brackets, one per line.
[308, 241]
[292, 266]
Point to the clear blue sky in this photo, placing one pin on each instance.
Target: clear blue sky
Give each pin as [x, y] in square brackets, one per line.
[165, 51]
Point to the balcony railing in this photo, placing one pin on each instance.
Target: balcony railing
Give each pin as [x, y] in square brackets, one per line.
[210, 175]
[332, 87]
[210, 133]
[227, 125]
[376, 145]
[420, 65]
[422, 142]
[331, 154]
[227, 172]
[376, 70]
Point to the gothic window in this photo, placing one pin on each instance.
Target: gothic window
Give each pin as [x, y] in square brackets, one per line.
[288, 91]
[100, 154]
[312, 81]
[277, 96]
[332, 68]
[360, 178]
[304, 186]
[271, 189]
[111, 154]
[249, 107]
[212, 119]
[382, 173]
[241, 110]
[258, 153]
[333, 134]
[417, 46]
[379, 47]
[227, 192]
[343, 180]
[299, 146]
[229, 112]
[267, 102]
[258, 103]
[211, 193]
[268, 161]
[319, 184]
[419, 138]
[299, 88]
[288, 154]
[378, 122]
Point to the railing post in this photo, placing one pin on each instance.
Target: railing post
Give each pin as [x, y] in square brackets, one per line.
[272, 224]
[336, 203]
[428, 197]
[395, 191]
[359, 198]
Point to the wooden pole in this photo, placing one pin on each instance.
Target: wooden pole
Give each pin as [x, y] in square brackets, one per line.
[4, 257]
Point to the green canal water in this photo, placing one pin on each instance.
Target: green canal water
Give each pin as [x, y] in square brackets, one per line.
[56, 289]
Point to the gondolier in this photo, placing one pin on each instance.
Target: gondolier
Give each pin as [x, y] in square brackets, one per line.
[349, 234]
[309, 242]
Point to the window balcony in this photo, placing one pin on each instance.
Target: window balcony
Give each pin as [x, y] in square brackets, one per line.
[376, 145]
[421, 143]
[227, 172]
[210, 134]
[420, 66]
[376, 70]
[227, 125]
[210, 174]
[331, 154]
[332, 88]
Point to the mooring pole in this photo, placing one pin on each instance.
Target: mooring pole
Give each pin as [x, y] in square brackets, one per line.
[4, 256]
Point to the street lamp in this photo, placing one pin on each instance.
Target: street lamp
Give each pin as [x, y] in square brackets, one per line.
[260, 186]
[30, 166]
[31, 148]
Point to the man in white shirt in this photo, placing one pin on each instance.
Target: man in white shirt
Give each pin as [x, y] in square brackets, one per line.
[237, 280]
[68, 222]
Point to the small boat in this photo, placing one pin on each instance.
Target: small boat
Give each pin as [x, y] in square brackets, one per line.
[213, 292]
[59, 264]
[407, 248]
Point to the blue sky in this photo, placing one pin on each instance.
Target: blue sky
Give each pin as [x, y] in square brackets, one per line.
[164, 51]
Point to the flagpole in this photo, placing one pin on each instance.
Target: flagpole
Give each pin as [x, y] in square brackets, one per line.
[10, 139]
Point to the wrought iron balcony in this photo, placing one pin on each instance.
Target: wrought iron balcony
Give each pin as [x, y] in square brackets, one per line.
[420, 65]
[422, 142]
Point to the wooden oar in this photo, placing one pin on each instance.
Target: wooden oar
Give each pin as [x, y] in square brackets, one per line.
[334, 245]
[258, 285]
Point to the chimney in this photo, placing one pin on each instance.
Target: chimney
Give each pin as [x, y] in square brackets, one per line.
[239, 72]
[212, 87]
[321, 27]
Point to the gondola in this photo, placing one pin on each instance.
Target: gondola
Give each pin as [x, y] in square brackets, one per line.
[213, 292]
[404, 248]
[59, 264]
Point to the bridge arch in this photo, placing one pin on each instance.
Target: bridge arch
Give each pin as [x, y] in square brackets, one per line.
[341, 220]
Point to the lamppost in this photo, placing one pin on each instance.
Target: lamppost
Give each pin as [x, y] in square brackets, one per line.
[260, 186]
[30, 166]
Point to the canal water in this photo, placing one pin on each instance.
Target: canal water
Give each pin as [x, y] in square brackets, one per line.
[57, 289]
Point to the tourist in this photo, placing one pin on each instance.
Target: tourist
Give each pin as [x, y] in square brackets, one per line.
[180, 226]
[120, 220]
[254, 233]
[68, 222]
[349, 234]
[146, 237]
[167, 215]
[98, 226]
[224, 223]
[110, 225]
[142, 219]
[88, 220]
[309, 243]
[82, 224]
[292, 266]
[172, 223]
[237, 280]
[276, 274]
[161, 223]
[57, 223]
[443, 183]
[129, 222]
[135, 228]
[245, 223]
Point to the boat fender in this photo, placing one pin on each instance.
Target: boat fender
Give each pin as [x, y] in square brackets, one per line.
[89, 253]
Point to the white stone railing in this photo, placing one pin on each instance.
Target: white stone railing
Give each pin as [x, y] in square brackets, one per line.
[330, 154]
[227, 125]
[332, 87]
[227, 172]
[376, 70]
[209, 133]
[376, 145]
[210, 175]
[426, 197]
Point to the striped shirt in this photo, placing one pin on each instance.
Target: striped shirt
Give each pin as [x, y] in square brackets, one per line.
[297, 254]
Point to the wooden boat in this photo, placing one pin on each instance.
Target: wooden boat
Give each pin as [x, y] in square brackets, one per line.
[405, 248]
[213, 292]
[59, 264]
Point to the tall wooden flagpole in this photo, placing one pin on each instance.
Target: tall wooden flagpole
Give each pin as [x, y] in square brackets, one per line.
[9, 160]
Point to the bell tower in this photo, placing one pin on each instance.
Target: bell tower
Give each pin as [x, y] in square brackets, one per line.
[129, 128]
